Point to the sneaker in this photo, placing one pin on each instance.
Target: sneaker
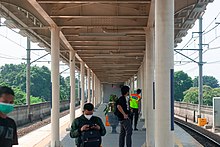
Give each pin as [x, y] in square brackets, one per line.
[136, 129]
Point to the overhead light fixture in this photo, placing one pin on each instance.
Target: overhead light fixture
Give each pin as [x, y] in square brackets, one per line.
[10, 24]
[109, 56]
[114, 65]
[189, 21]
[199, 8]
[102, 34]
[24, 33]
[16, 30]
[2, 19]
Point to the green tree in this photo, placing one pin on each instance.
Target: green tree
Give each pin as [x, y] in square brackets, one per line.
[67, 82]
[207, 80]
[182, 82]
[15, 76]
[41, 87]
[191, 95]
[20, 96]
[64, 89]
[41, 82]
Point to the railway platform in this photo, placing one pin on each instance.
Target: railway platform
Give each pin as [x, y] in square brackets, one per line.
[41, 136]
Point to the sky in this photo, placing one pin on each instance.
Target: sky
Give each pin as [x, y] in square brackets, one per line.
[211, 36]
[13, 50]
[13, 47]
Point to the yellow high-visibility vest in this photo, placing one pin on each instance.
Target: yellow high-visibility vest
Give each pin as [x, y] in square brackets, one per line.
[134, 101]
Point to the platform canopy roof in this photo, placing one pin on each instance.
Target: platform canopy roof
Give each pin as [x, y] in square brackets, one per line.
[108, 35]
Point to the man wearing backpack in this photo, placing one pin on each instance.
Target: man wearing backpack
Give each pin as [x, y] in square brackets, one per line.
[87, 129]
[123, 113]
[135, 100]
[8, 128]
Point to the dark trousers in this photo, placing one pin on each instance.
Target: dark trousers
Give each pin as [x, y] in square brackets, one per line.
[125, 131]
[135, 115]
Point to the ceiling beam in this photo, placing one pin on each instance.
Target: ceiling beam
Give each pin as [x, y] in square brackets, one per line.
[125, 64]
[101, 26]
[92, 2]
[87, 41]
[115, 61]
[114, 55]
[108, 47]
[110, 51]
[100, 17]
[88, 46]
[104, 38]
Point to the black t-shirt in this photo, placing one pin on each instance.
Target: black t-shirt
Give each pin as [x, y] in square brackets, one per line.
[125, 106]
[8, 132]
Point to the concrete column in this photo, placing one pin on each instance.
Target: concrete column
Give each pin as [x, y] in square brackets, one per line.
[28, 79]
[102, 93]
[88, 84]
[55, 77]
[150, 112]
[143, 92]
[93, 84]
[129, 84]
[139, 87]
[164, 43]
[132, 84]
[82, 83]
[78, 84]
[95, 90]
[99, 91]
[72, 85]
[138, 80]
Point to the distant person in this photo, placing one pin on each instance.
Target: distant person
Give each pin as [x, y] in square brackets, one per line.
[87, 129]
[135, 100]
[8, 128]
[123, 112]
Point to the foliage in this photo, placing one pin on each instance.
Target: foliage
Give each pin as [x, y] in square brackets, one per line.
[15, 76]
[64, 89]
[207, 80]
[113, 98]
[20, 98]
[191, 95]
[182, 82]
[41, 87]
[110, 107]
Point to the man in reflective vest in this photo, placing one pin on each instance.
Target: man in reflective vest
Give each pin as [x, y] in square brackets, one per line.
[135, 100]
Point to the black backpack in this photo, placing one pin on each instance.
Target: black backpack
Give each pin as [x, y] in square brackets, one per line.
[91, 137]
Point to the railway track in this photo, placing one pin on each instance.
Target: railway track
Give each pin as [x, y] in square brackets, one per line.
[204, 137]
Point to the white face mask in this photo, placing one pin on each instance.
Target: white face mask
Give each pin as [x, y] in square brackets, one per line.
[88, 116]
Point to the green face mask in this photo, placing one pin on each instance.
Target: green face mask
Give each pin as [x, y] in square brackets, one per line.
[6, 108]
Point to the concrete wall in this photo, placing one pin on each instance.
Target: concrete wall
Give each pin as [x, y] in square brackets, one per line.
[109, 89]
[38, 111]
[183, 109]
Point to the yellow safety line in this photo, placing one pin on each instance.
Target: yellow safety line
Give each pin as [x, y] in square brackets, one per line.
[178, 142]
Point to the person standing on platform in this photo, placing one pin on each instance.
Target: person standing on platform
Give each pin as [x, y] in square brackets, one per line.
[123, 112]
[135, 100]
[87, 129]
[8, 128]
